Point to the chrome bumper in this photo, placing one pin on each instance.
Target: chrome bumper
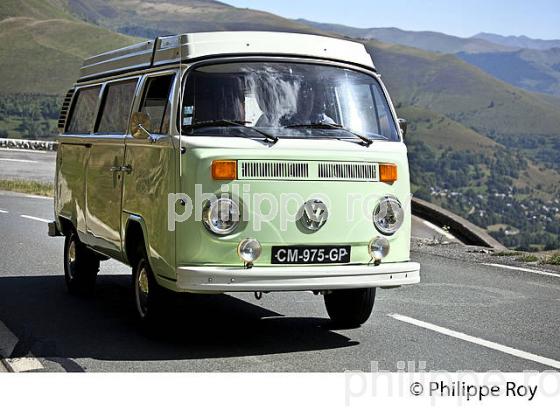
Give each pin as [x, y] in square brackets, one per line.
[286, 278]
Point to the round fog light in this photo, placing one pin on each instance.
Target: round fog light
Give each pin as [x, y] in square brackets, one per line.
[249, 250]
[379, 248]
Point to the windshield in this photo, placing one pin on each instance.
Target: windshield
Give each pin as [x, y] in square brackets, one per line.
[285, 100]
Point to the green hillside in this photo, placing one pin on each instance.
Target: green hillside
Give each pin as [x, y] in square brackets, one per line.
[149, 18]
[42, 46]
[442, 132]
[49, 52]
[40, 9]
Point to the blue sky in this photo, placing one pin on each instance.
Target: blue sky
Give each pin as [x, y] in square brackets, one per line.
[464, 18]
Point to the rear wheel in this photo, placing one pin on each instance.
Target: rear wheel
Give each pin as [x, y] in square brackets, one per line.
[350, 307]
[80, 266]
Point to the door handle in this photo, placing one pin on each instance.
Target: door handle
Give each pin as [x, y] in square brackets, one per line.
[126, 168]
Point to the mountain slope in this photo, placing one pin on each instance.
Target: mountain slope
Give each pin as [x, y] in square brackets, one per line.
[519, 41]
[445, 84]
[425, 40]
[49, 52]
[39, 9]
[533, 65]
[159, 17]
[533, 70]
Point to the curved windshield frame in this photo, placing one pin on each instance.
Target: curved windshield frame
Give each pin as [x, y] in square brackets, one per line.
[286, 100]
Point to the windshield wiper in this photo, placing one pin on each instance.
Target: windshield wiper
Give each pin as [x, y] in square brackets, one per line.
[325, 125]
[233, 123]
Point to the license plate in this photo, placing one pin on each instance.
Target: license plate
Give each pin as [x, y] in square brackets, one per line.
[310, 254]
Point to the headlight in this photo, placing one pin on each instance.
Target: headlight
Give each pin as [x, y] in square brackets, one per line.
[388, 215]
[249, 250]
[221, 216]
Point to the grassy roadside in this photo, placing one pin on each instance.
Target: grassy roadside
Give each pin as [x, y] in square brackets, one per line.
[540, 258]
[27, 187]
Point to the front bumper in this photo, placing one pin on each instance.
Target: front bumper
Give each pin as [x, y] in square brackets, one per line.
[286, 278]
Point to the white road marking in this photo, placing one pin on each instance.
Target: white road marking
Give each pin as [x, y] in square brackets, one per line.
[481, 342]
[35, 218]
[3, 212]
[540, 272]
[38, 197]
[438, 230]
[23, 364]
[29, 161]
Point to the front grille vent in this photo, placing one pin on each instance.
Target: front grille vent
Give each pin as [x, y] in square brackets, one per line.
[274, 170]
[347, 171]
[310, 170]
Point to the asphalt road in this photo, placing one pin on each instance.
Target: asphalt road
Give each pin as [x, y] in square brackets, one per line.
[463, 316]
[24, 164]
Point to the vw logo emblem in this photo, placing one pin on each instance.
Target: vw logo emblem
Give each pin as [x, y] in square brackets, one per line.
[312, 215]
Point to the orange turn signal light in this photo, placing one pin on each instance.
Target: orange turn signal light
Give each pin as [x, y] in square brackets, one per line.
[388, 172]
[224, 169]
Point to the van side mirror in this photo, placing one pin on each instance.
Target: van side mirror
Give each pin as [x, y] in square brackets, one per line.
[403, 125]
[140, 126]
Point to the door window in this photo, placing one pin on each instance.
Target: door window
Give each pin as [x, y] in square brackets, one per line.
[117, 103]
[155, 102]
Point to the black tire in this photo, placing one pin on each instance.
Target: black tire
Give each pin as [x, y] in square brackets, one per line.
[80, 266]
[350, 307]
[148, 297]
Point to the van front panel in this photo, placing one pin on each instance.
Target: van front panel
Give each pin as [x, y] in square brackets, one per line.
[350, 203]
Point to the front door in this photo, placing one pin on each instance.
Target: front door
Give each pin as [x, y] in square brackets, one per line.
[106, 167]
[152, 176]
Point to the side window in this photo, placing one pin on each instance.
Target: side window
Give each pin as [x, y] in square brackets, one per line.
[117, 102]
[155, 101]
[83, 111]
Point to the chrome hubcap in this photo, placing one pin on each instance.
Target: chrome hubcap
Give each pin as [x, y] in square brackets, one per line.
[142, 290]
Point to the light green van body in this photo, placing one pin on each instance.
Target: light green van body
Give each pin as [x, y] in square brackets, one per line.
[109, 188]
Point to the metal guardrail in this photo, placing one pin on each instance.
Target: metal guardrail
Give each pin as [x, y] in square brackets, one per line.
[36, 145]
[467, 232]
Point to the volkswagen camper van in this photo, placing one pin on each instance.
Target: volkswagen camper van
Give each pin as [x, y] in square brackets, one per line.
[235, 162]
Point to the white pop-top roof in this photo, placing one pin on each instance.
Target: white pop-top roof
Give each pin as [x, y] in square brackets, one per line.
[166, 50]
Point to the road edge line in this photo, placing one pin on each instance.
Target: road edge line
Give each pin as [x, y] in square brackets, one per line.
[520, 269]
[520, 354]
[35, 218]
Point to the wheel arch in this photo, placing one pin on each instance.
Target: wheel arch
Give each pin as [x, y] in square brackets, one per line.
[135, 235]
[66, 226]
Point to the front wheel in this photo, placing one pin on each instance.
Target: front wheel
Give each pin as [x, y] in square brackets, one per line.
[148, 295]
[80, 266]
[350, 307]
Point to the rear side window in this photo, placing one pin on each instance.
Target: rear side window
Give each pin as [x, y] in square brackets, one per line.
[155, 102]
[83, 111]
[117, 103]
